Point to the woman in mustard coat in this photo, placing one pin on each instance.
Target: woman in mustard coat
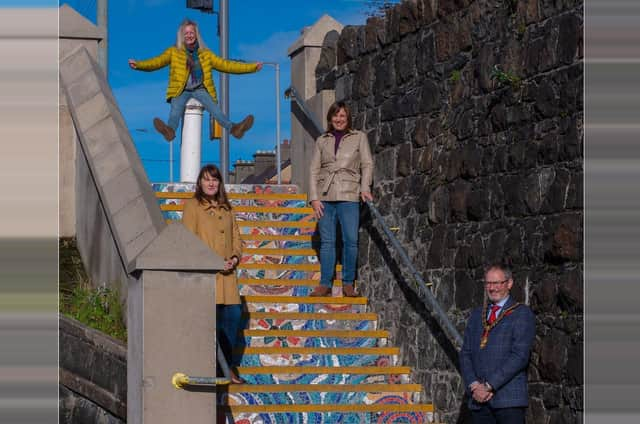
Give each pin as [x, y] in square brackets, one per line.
[190, 65]
[209, 216]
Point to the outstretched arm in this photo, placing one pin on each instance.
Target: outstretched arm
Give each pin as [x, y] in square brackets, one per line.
[232, 66]
[152, 64]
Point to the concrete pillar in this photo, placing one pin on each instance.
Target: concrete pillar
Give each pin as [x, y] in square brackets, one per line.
[190, 152]
[305, 55]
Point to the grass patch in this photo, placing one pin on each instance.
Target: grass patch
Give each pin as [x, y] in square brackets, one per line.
[97, 308]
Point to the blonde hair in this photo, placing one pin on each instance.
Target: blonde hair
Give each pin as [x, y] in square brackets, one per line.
[180, 37]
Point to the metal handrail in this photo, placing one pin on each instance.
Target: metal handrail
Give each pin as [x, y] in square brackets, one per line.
[422, 290]
[293, 94]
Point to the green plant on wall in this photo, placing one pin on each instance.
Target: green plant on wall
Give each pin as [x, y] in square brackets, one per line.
[456, 75]
[505, 77]
[97, 308]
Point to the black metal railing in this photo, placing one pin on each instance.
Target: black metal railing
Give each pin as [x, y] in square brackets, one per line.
[421, 288]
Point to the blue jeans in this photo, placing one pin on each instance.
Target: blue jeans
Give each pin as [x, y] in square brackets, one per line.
[179, 103]
[228, 323]
[348, 215]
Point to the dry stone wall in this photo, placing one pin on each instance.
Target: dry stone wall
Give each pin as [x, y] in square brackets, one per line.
[474, 111]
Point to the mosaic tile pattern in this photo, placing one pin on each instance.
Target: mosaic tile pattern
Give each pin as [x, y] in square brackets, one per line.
[335, 418]
[316, 359]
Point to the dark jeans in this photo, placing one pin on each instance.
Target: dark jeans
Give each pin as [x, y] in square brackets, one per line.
[489, 415]
[228, 323]
[348, 215]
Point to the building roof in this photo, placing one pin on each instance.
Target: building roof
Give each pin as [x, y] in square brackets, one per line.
[271, 173]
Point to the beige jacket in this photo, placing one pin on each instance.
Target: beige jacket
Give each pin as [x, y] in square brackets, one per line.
[341, 176]
[218, 229]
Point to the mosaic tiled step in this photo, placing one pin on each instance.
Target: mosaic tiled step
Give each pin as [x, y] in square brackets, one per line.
[288, 228]
[305, 304]
[319, 394]
[324, 375]
[249, 257]
[287, 271]
[312, 321]
[334, 417]
[315, 338]
[277, 241]
[346, 357]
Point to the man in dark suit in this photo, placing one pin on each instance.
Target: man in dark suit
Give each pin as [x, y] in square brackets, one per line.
[495, 353]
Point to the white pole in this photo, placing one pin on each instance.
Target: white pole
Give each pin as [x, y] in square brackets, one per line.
[102, 13]
[191, 142]
[223, 94]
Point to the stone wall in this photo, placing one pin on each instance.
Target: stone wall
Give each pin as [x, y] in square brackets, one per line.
[93, 375]
[474, 112]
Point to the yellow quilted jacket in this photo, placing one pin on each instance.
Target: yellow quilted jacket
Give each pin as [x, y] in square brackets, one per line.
[178, 73]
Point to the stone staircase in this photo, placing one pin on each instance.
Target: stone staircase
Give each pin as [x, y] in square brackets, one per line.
[305, 359]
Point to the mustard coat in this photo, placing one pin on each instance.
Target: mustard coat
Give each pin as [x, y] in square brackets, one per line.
[178, 73]
[341, 175]
[218, 229]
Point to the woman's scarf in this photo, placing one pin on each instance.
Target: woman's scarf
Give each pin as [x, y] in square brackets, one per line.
[192, 63]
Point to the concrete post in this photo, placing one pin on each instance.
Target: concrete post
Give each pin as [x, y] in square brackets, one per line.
[190, 152]
[305, 55]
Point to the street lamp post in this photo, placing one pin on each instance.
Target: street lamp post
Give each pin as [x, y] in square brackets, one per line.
[276, 65]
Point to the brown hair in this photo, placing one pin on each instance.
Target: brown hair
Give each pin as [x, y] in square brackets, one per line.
[221, 196]
[333, 110]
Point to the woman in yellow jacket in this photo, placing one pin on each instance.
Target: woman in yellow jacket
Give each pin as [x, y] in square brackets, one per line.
[209, 216]
[190, 65]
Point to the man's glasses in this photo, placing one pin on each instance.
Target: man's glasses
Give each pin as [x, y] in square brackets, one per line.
[495, 283]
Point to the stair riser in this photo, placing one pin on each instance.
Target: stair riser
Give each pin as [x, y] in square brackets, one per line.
[335, 417]
[288, 203]
[305, 307]
[288, 341]
[285, 274]
[318, 398]
[270, 216]
[312, 324]
[279, 231]
[334, 379]
[275, 244]
[248, 258]
[273, 290]
[319, 360]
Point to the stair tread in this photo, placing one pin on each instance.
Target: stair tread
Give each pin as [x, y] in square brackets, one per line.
[279, 252]
[277, 224]
[235, 196]
[283, 282]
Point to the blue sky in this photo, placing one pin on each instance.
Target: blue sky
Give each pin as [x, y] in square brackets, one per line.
[259, 31]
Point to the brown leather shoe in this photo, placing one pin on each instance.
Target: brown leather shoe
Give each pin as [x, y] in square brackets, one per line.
[241, 127]
[321, 291]
[349, 291]
[167, 132]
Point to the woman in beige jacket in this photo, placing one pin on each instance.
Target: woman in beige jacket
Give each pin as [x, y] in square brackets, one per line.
[209, 216]
[340, 176]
